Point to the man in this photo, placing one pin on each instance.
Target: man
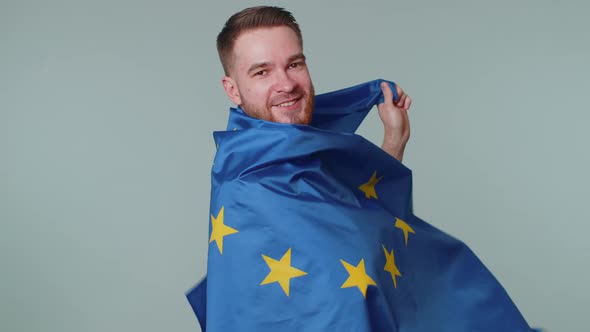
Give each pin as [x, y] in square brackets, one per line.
[261, 50]
[312, 226]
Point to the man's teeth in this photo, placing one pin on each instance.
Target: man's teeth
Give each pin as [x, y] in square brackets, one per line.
[287, 104]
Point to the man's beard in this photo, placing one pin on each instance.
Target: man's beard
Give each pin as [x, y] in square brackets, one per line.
[302, 116]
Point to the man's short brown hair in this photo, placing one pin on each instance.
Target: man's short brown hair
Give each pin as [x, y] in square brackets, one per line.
[249, 19]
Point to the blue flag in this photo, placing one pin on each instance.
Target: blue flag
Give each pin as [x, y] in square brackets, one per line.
[312, 229]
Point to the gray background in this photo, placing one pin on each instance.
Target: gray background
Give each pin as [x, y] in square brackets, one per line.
[107, 109]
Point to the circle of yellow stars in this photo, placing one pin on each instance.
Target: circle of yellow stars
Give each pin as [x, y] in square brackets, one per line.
[281, 270]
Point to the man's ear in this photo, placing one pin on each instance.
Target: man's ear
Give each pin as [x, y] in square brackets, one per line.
[231, 89]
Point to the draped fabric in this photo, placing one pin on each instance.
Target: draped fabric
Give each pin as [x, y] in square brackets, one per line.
[312, 229]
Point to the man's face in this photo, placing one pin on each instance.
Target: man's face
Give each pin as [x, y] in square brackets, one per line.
[269, 77]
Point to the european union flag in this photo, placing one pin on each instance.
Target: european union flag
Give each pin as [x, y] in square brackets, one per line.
[312, 229]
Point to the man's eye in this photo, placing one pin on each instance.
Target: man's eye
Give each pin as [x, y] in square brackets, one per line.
[295, 64]
[260, 73]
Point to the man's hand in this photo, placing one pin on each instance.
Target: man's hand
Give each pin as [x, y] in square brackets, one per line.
[394, 116]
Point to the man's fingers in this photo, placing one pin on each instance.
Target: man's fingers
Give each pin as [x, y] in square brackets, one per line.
[399, 90]
[403, 100]
[400, 101]
[408, 103]
[387, 93]
[401, 96]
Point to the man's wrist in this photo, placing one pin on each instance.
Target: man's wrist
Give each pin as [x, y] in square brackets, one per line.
[395, 150]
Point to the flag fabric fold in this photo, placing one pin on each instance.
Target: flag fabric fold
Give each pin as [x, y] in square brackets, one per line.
[312, 228]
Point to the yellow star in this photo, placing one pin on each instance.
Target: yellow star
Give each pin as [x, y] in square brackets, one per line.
[369, 187]
[357, 277]
[390, 266]
[281, 271]
[404, 227]
[219, 230]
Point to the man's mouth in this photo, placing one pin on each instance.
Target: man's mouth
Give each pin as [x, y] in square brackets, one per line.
[290, 104]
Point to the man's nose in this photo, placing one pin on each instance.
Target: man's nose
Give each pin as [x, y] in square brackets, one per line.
[285, 83]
